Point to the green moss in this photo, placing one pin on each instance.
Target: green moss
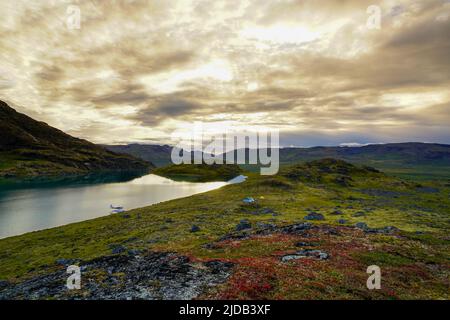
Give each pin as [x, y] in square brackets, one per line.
[382, 259]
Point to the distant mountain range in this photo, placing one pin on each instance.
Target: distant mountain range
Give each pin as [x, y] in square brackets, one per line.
[406, 159]
[413, 153]
[410, 159]
[156, 154]
[31, 148]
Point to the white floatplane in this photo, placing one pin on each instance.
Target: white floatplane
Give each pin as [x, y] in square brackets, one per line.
[116, 209]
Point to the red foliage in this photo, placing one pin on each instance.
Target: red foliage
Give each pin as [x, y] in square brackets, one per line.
[252, 280]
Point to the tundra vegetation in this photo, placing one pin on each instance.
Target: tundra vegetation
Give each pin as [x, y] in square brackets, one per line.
[311, 233]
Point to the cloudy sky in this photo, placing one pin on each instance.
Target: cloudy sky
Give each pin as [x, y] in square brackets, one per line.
[319, 71]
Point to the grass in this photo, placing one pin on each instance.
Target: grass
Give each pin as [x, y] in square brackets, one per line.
[415, 262]
[199, 172]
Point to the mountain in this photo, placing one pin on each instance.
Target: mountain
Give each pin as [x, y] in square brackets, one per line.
[410, 153]
[31, 148]
[156, 154]
[407, 160]
[410, 159]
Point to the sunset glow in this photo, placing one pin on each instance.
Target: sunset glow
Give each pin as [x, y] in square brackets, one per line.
[136, 71]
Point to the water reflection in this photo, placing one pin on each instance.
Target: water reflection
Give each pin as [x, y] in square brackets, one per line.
[73, 181]
[42, 205]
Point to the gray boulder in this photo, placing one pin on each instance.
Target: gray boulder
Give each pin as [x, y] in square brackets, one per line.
[243, 225]
[314, 216]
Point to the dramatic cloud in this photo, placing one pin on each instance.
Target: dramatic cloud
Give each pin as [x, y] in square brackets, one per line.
[137, 70]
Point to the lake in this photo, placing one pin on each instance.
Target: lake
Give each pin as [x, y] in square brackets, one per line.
[36, 206]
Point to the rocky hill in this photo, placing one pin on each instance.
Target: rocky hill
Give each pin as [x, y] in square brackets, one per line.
[31, 148]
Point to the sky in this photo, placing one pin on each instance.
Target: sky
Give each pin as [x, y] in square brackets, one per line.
[321, 72]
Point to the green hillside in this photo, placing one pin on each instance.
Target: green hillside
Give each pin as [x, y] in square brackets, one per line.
[199, 172]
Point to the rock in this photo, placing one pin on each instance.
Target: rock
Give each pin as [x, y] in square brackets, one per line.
[361, 225]
[384, 230]
[195, 228]
[238, 236]
[210, 246]
[306, 253]
[266, 211]
[336, 212]
[117, 248]
[3, 284]
[66, 262]
[296, 228]
[263, 225]
[62, 262]
[389, 229]
[134, 252]
[314, 216]
[217, 266]
[332, 231]
[152, 276]
[318, 254]
[243, 224]
[132, 239]
[427, 189]
[342, 221]
[290, 257]
[126, 216]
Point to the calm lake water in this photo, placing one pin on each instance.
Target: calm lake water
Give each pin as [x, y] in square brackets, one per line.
[31, 207]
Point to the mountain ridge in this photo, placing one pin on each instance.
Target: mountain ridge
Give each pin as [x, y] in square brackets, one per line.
[31, 148]
[403, 158]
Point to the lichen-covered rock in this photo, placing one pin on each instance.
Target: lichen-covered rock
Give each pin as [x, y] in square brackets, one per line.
[153, 275]
[306, 253]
